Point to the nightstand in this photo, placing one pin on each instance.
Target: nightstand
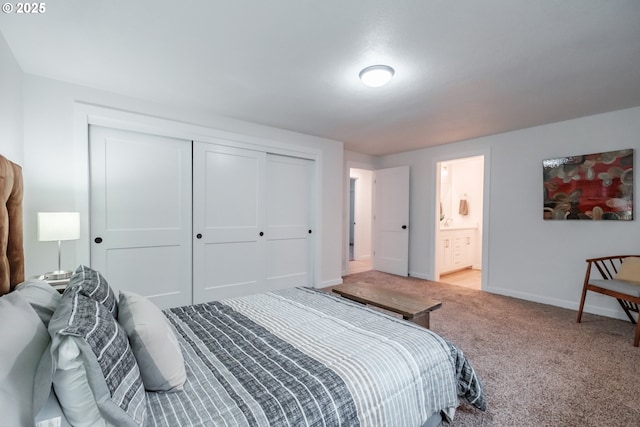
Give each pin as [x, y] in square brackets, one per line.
[59, 284]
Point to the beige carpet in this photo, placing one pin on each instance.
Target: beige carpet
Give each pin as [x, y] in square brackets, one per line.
[539, 367]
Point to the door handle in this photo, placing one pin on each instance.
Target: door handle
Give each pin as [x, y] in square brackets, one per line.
[98, 240]
[198, 236]
[261, 234]
[404, 227]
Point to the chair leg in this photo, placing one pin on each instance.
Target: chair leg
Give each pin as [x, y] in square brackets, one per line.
[636, 340]
[625, 306]
[584, 296]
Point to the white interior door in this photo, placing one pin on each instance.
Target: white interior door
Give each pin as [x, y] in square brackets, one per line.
[140, 204]
[228, 192]
[391, 220]
[288, 233]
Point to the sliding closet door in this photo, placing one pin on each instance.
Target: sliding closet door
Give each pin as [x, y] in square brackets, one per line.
[289, 183]
[141, 213]
[252, 216]
[228, 205]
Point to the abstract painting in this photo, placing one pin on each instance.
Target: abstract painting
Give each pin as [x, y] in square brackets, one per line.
[595, 186]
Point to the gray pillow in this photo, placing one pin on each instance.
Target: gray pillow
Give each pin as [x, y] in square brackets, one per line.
[154, 343]
[85, 326]
[24, 340]
[91, 284]
[43, 297]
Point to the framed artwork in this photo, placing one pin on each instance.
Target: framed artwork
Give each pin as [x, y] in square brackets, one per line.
[595, 186]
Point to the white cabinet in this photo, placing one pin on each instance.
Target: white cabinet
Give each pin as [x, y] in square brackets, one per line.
[458, 248]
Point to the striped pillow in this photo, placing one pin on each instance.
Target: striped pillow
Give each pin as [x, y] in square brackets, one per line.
[101, 349]
[90, 283]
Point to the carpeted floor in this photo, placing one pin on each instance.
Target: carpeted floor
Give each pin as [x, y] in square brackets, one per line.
[539, 367]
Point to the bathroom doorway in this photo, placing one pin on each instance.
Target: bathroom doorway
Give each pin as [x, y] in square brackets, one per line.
[459, 222]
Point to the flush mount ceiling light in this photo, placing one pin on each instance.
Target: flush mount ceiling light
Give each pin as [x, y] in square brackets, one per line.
[376, 75]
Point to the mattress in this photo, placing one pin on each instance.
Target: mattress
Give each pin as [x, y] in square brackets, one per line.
[305, 357]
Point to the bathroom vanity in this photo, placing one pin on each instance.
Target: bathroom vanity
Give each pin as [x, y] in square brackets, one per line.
[458, 246]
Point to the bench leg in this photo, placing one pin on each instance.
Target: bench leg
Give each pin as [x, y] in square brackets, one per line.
[422, 320]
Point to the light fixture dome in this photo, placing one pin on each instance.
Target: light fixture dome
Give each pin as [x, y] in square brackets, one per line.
[376, 75]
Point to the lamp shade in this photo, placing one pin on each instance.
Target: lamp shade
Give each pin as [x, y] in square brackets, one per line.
[58, 226]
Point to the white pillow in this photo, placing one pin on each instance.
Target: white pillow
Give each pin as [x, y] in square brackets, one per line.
[23, 341]
[43, 297]
[72, 387]
[154, 343]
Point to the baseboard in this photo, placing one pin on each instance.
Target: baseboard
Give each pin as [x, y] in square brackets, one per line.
[419, 275]
[331, 282]
[571, 305]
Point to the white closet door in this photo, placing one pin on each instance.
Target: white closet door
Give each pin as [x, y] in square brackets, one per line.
[228, 221]
[141, 213]
[288, 232]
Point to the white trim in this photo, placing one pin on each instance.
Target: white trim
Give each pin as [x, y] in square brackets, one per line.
[568, 304]
[332, 282]
[350, 164]
[419, 275]
[89, 114]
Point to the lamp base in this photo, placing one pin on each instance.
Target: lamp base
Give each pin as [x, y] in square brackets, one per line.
[57, 275]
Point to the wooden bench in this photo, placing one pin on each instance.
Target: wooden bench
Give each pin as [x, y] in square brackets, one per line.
[411, 307]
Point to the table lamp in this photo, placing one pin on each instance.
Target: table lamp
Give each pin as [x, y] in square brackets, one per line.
[58, 226]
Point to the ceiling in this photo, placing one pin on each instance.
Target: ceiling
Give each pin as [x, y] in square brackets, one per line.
[464, 68]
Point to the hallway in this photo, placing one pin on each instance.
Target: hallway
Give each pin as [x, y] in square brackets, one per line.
[359, 266]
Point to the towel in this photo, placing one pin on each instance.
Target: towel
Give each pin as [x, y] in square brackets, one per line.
[464, 207]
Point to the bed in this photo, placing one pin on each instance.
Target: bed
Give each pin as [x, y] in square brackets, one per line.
[292, 357]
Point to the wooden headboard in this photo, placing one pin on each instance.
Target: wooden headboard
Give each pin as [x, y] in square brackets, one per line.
[11, 246]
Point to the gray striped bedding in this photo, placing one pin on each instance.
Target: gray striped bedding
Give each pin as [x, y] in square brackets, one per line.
[303, 357]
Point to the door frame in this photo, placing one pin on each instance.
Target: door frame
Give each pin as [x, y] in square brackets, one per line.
[87, 114]
[486, 190]
[347, 210]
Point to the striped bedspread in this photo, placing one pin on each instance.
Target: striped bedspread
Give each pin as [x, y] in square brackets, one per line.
[301, 357]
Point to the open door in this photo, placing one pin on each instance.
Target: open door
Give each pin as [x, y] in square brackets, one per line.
[391, 220]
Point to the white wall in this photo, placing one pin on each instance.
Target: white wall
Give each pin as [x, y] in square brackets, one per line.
[11, 136]
[51, 179]
[525, 256]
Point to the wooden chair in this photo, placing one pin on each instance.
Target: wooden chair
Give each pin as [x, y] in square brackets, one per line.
[627, 293]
